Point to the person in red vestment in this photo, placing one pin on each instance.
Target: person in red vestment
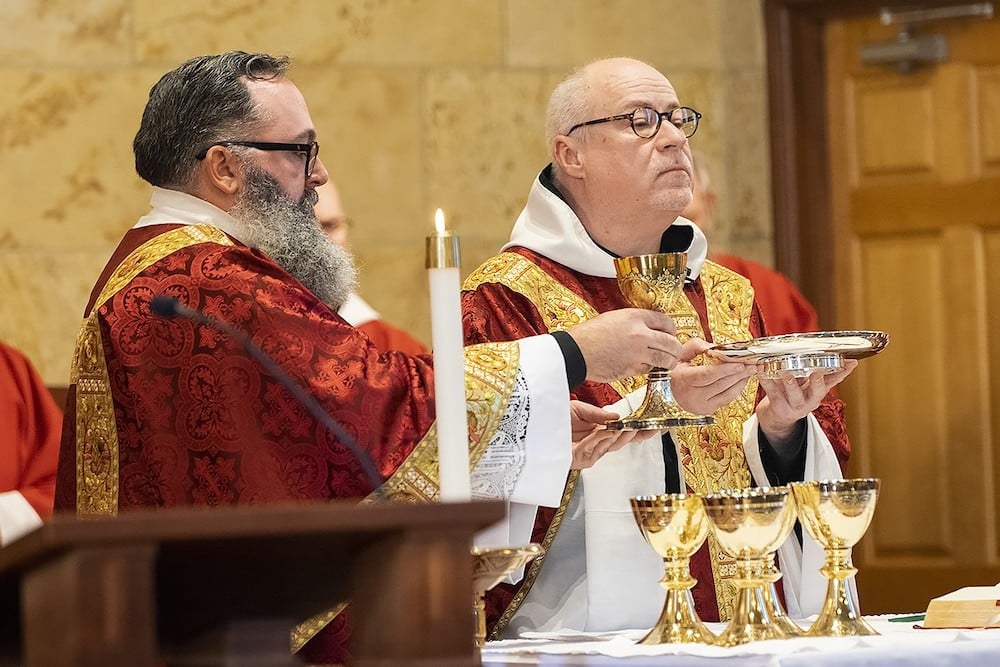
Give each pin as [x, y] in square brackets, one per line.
[784, 309]
[621, 174]
[30, 422]
[164, 412]
[355, 310]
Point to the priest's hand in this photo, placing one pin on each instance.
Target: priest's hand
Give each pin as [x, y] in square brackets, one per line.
[592, 439]
[705, 388]
[789, 399]
[622, 343]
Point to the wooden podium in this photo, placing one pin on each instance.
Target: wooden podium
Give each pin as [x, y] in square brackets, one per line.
[224, 586]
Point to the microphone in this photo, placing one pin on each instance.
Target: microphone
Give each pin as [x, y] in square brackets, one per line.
[169, 307]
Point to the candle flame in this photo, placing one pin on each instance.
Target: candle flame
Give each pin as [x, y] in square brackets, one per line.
[439, 221]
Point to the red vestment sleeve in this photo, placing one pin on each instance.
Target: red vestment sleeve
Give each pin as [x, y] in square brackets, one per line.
[30, 424]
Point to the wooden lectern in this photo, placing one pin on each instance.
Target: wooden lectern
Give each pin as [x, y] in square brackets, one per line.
[224, 586]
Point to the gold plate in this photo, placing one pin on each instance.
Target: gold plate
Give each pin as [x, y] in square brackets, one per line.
[848, 344]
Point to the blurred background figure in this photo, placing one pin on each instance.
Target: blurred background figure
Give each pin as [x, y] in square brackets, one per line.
[357, 312]
[783, 306]
[30, 428]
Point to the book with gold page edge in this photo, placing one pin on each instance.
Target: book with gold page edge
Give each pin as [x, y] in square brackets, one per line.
[800, 354]
[976, 607]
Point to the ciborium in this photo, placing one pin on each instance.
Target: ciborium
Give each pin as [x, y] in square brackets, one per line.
[750, 525]
[675, 526]
[655, 282]
[836, 514]
[490, 566]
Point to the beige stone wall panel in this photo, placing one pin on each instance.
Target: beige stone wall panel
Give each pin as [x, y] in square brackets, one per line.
[65, 32]
[350, 32]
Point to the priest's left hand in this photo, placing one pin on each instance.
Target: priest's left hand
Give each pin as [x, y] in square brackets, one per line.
[789, 399]
[592, 439]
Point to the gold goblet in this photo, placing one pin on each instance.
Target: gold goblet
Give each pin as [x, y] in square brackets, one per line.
[837, 513]
[489, 568]
[750, 525]
[675, 526]
[655, 282]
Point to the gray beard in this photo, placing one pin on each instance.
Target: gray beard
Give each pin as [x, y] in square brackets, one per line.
[287, 231]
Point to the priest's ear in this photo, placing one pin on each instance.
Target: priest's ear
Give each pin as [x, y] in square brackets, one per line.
[221, 171]
[567, 154]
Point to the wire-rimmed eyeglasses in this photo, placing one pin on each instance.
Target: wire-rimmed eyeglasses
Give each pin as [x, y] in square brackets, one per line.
[310, 150]
[646, 121]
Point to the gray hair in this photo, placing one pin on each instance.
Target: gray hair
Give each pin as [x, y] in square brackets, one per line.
[203, 101]
[568, 105]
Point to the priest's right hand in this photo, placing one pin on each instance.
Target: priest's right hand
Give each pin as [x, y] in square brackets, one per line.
[591, 437]
[622, 343]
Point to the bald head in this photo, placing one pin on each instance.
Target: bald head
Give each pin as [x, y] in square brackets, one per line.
[330, 214]
[573, 99]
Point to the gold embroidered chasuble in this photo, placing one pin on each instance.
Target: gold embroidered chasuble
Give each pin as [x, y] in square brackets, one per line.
[712, 457]
[491, 371]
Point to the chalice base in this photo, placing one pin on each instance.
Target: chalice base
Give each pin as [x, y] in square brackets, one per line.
[751, 621]
[839, 616]
[678, 623]
[778, 615]
[799, 365]
[658, 410]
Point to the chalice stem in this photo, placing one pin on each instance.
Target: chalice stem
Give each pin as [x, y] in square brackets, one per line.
[839, 615]
[479, 608]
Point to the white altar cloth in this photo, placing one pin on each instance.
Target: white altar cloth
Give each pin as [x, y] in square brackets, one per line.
[899, 645]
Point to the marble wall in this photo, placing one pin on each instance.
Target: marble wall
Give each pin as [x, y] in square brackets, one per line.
[419, 104]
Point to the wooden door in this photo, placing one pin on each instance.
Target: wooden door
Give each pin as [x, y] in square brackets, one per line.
[914, 169]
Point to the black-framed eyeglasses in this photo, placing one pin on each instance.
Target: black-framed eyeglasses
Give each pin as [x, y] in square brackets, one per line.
[310, 150]
[646, 121]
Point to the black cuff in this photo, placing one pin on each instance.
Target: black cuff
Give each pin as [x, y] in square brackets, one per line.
[784, 468]
[576, 365]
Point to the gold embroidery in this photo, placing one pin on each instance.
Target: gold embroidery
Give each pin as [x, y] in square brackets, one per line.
[156, 249]
[558, 306]
[308, 628]
[490, 372]
[712, 456]
[96, 431]
[96, 434]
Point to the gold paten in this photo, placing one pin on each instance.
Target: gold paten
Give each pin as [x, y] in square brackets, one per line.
[837, 513]
[489, 568]
[750, 525]
[675, 526]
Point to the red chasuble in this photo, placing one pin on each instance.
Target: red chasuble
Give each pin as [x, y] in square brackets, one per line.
[29, 432]
[521, 293]
[168, 412]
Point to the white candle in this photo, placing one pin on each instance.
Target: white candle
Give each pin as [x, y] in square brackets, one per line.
[449, 363]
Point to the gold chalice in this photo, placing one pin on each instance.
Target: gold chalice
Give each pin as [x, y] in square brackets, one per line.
[655, 282]
[489, 567]
[675, 526]
[837, 513]
[750, 525]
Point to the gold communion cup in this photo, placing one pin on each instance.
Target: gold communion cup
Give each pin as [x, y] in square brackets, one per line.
[675, 526]
[489, 568]
[750, 525]
[836, 514]
[655, 282]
